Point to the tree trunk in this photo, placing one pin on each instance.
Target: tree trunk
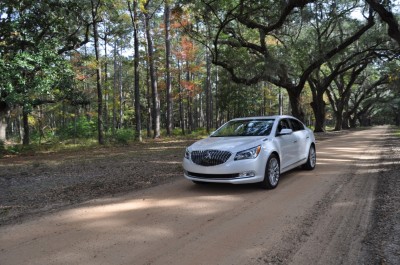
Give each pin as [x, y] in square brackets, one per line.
[295, 103]
[114, 109]
[167, 67]
[339, 118]
[339, 122]
[345, 121]
[388, 17]
[217, 114]
[106, 92]
[208, 93]
[25, 124]
[397, 119]
[153, 80]
[189, 114]
[148, 97]
[100, 127]
[3, 121]
[319, 107]
[264, 106]
[11, 128]
[134, 18]
[189, 101]
[353, 122]
[121, 96]
[3, 125]
[181, 114]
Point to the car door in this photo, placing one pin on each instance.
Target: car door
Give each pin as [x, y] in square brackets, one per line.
[287, 144]
[302, 141]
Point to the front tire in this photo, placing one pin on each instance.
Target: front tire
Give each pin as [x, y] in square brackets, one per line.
[272, 173]
[312, 159]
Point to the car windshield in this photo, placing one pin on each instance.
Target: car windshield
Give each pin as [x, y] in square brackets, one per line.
[257, 127]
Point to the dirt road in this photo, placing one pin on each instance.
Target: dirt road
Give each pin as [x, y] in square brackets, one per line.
[313, 217]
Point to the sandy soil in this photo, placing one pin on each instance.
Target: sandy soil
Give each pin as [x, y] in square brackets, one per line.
[344, 212]
[32, 185]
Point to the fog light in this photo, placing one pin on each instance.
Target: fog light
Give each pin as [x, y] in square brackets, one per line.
[247, 174]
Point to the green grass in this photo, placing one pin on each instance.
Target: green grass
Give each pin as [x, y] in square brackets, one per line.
[121, 137]
[397, 132]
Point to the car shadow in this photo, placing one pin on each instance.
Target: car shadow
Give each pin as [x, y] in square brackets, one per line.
[230, 189]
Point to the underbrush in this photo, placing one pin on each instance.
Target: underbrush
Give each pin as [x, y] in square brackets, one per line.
[52, 142]
[2, 149]
[397, 131]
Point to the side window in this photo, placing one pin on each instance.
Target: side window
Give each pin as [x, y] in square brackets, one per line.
[283, 124]
[296, 125]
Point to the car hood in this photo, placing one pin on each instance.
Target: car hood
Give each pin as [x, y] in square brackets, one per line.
[227, 143]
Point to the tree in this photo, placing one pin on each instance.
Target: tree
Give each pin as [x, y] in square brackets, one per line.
[343, 84]
[189, 80]
[133, 10]
[32, 40]
[114, 30]
[262, 40]
[167, 23]
[388, 17]
[363, 98]
[96, 5]
[376, 100]
[152, 72]
[208, 89]
[240, 56]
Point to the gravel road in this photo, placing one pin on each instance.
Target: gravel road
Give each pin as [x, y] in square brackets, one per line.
[346, 211]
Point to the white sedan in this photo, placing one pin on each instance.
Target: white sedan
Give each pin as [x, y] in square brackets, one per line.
[251, 150]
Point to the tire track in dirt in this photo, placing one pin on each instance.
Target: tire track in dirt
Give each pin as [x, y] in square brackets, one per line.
[313, 217]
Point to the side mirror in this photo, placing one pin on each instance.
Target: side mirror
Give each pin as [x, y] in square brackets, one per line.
[285, 131]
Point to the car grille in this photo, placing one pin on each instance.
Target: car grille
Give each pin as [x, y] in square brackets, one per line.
[210, 157]
[213, 176]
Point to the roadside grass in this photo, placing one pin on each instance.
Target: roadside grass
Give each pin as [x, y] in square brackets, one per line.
[397, 132]
[122, 137]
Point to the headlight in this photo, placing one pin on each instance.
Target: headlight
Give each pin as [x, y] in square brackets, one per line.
[187, 154]
[249, 153]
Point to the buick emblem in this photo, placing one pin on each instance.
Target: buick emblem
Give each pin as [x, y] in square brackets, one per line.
[207, 156]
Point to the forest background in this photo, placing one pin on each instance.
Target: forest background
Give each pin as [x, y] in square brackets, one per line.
[122, 70]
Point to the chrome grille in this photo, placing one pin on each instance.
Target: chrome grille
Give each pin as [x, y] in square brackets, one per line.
[213, 176]
[210, 157]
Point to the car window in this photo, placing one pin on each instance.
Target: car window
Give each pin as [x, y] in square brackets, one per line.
[283, 124]
[256, 127]
[296, 125]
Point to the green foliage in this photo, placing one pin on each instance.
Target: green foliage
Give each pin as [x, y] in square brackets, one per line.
[82, 127]
[36, 70]
[2, 149]
[199, 133]
[14, 149]
[30, 76]
[124, 136]
[397, 133]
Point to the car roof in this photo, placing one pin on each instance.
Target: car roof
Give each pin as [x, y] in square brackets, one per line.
[265, 117]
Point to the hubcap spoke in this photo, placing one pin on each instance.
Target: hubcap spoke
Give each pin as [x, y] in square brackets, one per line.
[274, 172]
[312, 157]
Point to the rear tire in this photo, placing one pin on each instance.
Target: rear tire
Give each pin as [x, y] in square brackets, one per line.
[312, 159]
[272, 173]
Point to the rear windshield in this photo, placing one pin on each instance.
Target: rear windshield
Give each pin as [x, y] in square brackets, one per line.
[245, 128]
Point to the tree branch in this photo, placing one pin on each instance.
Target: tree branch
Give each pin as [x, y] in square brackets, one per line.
[388, 18]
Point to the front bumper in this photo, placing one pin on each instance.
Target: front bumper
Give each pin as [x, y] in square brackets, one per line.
[234, 172]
